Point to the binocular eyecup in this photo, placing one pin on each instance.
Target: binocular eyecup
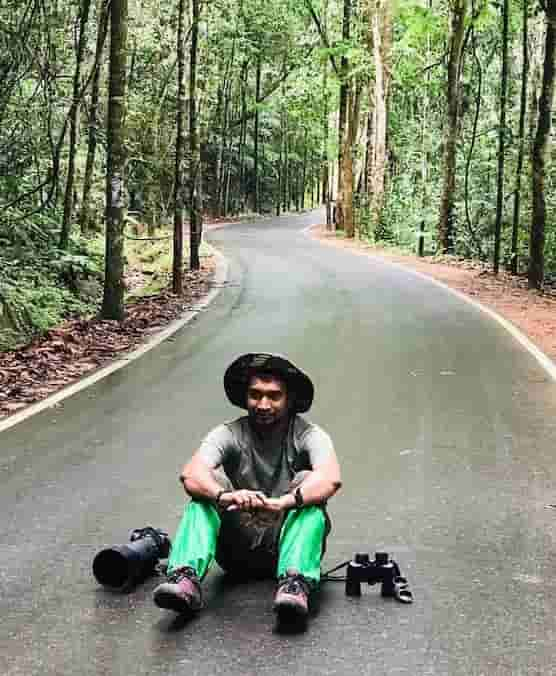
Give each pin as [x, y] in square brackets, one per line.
[122, 567]
[383, 570]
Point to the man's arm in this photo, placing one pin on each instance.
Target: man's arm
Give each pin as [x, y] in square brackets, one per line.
[321, 483]
[198, 481]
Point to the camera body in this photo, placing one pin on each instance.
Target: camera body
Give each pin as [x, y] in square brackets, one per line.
[383, 570]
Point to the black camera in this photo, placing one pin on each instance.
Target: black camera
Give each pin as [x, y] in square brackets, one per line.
[383, 570]
[124, 566]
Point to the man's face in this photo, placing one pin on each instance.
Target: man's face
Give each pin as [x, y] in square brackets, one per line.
[267, 401]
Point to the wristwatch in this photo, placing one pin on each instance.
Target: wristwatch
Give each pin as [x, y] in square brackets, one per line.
[298, 498]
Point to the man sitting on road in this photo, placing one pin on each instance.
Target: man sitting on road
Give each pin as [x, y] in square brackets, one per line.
[258, 486]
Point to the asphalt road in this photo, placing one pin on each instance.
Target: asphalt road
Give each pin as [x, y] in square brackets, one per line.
[446, 432]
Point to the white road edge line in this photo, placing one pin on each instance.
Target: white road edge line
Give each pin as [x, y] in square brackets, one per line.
[544, 360]
[220, 277]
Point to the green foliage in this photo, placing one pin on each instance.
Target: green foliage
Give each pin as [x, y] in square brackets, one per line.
[40, 286]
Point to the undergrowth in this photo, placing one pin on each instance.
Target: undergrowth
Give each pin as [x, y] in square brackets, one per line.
[42, 285]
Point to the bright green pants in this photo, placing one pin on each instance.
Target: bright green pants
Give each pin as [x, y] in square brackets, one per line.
[300, 544]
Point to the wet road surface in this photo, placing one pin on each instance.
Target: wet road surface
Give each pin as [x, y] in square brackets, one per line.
[446, 431]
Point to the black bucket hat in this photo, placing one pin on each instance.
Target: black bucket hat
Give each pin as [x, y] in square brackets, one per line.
[240, 371]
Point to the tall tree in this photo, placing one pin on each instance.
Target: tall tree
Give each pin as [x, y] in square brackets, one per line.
[325, 134]
[195, 216]
[256, 179]
[343, 113]
[540, 151]
[179, 187]
[458, 14]
[521, 136]
[85, 215]
[84, 8]
[325, 161]
[353, 108]
[113, 298]
[380, 36]
[501, 137]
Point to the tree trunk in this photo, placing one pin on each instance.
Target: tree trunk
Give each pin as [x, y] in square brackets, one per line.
[226, 208]
[325, 125]
[256, 196]
[74, 111]
[113, 299]
[381, 38]
[85, 219]
[243, 137]
[347, 161]
[280, 172]
[218, 124]
[501, 138]
[342, 118]
[286, 179]
[425, 149]
[369, 150]
[521, 142]
[447, 216]
[304, 170]
[195, 216]
[221, 181]
[312, 184]
[179, 187]
[471, 145]
[540, 148]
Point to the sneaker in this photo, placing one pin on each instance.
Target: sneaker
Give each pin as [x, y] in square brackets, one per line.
[181, 592]
[291, 601]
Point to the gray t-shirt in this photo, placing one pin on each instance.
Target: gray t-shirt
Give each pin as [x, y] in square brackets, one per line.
[267, 465]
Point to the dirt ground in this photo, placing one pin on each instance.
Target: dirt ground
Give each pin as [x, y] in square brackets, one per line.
[532, 312]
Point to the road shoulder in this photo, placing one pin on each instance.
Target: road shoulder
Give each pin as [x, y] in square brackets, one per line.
[59, 365]
[531, 313]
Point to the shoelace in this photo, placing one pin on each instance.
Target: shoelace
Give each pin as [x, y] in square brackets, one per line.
[180, 573]
[295, 585]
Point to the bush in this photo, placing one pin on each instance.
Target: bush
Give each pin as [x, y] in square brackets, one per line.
[40, 286]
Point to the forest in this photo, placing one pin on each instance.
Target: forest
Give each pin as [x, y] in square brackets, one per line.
[418, 124]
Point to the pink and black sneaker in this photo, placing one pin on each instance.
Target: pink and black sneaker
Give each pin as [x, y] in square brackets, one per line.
[291, 600]
[181, 592]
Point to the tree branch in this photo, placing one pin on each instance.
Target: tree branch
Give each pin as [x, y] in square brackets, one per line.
[271, 89]
[323, 35]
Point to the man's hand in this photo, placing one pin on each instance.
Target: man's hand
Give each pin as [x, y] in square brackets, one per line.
[255, 500]
[243, 500]
[280, 504]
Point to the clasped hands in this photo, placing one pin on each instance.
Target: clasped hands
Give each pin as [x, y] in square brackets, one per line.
[248, 501]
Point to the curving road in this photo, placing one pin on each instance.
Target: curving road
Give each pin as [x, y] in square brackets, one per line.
[446, 430]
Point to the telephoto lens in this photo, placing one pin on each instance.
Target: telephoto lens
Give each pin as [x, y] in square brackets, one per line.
[122, 567]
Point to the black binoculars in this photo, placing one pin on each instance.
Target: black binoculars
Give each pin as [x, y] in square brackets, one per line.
[124, 566]
[383, 570]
